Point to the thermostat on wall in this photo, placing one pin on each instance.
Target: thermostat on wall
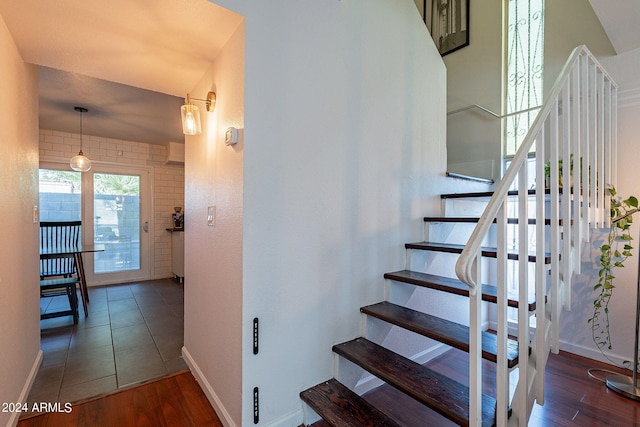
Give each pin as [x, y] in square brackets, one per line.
[231, 136]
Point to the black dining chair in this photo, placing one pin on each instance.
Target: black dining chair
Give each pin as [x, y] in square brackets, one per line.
[58, 236]
[58, 270]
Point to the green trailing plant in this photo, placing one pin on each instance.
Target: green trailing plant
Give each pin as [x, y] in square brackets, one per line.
[613, 253]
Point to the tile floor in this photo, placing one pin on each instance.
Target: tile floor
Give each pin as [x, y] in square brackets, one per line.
[134, 332]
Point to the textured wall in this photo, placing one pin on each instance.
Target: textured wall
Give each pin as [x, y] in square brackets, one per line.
[19, 293]
[576, 333]
[214, 255]
[343, 153]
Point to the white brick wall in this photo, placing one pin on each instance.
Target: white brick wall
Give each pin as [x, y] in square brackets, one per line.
[168, 179]
[168, 192]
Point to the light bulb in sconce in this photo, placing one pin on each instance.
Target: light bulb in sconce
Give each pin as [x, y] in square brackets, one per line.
[190, 122]
[191, 119]
[191, 114]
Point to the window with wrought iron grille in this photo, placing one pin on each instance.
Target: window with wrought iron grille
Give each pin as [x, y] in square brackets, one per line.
[524, 96]
[525, 66]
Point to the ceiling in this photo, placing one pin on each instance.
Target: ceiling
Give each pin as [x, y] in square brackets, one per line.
[620, 21]
[130, 64]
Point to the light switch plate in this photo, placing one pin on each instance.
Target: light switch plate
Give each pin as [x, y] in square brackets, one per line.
[211, 216]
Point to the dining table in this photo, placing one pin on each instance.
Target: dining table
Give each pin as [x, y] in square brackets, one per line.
[76, 251]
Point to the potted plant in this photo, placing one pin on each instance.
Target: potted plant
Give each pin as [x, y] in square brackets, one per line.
[613, 253]
[547, 171]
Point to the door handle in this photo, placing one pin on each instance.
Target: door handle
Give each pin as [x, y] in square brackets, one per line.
[145, 226]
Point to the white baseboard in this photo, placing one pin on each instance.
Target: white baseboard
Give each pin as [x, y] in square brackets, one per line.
[309, 416]
[217, 405]
[287, 420]
[588, 352]
[591, 353]
[24, 393]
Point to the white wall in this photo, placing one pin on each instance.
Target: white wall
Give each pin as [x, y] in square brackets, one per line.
[576, 337]
[475, 74]
[19, 294]
[343, 153]
[570, 23]
[213, 255]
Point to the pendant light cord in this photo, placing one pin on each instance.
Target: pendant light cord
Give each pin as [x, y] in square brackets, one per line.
[80, 110]
[81, 131]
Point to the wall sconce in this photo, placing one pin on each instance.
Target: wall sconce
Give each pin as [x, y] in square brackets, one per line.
[80, 162]
[191, 114]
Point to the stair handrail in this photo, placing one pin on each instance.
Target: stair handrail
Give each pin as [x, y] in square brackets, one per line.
[488, 111]
[578, 123]
[465, 266]
[471, 107]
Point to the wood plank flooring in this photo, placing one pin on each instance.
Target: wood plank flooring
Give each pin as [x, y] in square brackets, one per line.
[174, 401]
[573, 398]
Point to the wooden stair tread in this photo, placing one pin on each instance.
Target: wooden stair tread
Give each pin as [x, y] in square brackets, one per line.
[470, 219]
[451, 219]
[485, 194]
[455, 248]
[341, 407]
[439, 392]
[442, 330]
[448, 284]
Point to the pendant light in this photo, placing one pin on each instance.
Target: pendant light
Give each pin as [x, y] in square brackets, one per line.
[80, 162]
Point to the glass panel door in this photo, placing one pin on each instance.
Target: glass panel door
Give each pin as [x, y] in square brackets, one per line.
[116, 225]
[113, 203]
[117, 215]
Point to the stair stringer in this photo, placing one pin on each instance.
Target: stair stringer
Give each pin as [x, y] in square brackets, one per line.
[421, 349]
[571, 92]
[379, 331]
[418, 298]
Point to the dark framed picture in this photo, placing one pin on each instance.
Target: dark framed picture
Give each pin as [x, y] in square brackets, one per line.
[422, 8]
[448, 23]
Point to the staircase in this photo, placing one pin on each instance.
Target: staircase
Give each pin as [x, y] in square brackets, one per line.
[546, 227]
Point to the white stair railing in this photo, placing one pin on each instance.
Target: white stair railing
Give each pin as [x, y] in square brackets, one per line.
[576, 126]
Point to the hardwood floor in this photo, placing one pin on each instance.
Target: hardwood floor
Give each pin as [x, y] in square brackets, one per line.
[573, 398]
[173, 401]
